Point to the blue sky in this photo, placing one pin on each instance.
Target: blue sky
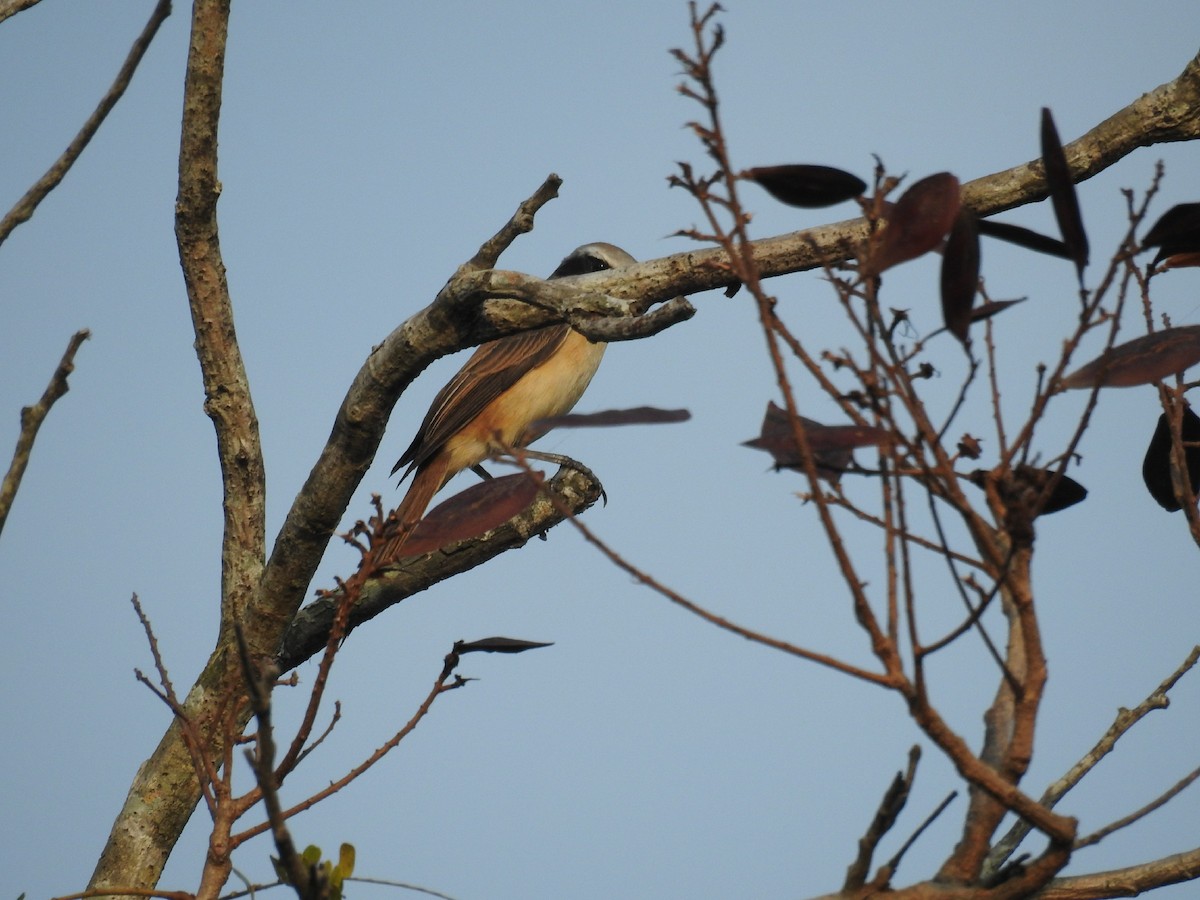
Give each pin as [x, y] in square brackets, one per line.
[366, 150]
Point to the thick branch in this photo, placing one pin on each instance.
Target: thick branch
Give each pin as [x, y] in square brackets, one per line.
[309, 629]
[12, 7]
[164, 793]
[1128, 882]
[1170, 112]
[24, 208]
[31, 420]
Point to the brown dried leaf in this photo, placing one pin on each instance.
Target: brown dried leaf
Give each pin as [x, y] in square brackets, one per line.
[1143, 360]
[1022, 491]
[638, 415]
[992, 307]
[917, 222]
[1181, 260]
[807, 186]
[474, 512]
[1024, 237]
[499, 645]
[960, 274]
[831, 445]
[1062, 193]
[1156, 467]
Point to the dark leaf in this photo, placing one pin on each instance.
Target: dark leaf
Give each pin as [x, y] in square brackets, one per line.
[1026, 485]
[1181, 260]
[968, 447]
[1143, 360]
[1156, 467]
[1024, 237]
[992, 307]
[960, 274]
[1176, 233]
[1062, 193]
[473, 512]
[831, 445]
[917, 222]
[499, 645]
[807, 186]
[638, 415]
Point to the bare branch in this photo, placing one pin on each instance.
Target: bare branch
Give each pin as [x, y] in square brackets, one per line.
[31, 420]
[889, 810]
[1125, 821]
[309, 629]
[1127, 882]
[1125, 720]
[520, 223]
[24, 208]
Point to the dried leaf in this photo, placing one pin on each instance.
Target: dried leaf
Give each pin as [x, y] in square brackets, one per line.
[960, 274]
[1176, 233]
[1156, 467]
[499, 645]
[1062, 193]
[1181, 260]
[807, 186]
[1022, 491]
[992, 307]
[831, 445]
[638, 415]
[1143, 360]
[473, 512]
[917, 222]
[1024, 237]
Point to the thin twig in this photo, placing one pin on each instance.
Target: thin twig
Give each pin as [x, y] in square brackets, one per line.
[440, 686]
[205, 773]
[1096, 836]
[31, 420]
[1125, 720]
[24, 208]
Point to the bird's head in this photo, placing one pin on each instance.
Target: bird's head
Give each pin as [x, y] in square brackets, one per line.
[594, 257]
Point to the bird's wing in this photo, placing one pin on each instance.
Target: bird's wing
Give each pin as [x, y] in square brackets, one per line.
[492, 369]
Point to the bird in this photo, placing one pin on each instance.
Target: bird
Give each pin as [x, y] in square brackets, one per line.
[491, 403]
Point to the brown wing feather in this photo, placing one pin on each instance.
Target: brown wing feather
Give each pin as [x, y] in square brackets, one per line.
[492, 369]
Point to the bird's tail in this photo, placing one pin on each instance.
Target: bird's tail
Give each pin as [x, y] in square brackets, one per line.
[427, 481]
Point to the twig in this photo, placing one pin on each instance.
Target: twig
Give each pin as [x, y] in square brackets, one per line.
[889, 810]
[402, 884]
[24, 208]
[520, 223]
[679, 600]
[31, 420]
[889, 868]
[1125, 720]
[205, 773]
[1096, 836]
[259, 679]
[440, 686]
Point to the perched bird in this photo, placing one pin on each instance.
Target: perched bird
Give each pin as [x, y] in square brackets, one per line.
[506, 386]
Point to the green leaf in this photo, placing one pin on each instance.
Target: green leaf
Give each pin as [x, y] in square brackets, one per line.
[346, 860]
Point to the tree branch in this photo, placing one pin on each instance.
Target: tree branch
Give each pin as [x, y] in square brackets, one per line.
[31, 420]
[307, 634]
[1127, 882]
[159, 804]
[24, 208]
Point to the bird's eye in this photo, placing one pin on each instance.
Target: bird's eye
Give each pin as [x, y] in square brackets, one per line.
[597, 265]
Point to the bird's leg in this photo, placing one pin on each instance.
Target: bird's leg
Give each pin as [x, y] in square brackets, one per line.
[482, 472]
[559, 460]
